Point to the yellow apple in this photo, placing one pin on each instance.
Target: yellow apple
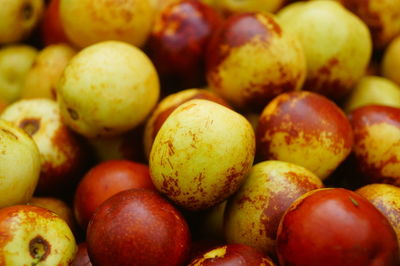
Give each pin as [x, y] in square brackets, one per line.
[391, 61]
[233, 6]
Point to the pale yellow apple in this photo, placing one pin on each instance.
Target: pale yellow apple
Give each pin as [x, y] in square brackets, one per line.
[34, 236]
[18, 19]
[15, 62]
[107, 89]
[391, 61]
[337, 45]
[373, 90]
[19, 165]
[42, 78]
[201, 154]
[87, 21]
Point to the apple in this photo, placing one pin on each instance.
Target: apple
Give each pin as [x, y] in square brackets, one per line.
[167, 105]
[373, 90]
[137, 227]
[57, 206]
[201, 154]
[18, 19]
[52, 30]
[42, 78]
[87, 22]
[3, 105]
[381, 16]
[229, 7]
[391, 61]
[107, 88]
[82, 256]
[306, 129]
[251, 59]
[105, 180]
[335, 226]
[64, 155]
[337, 45]
[159, 5]
[252, 215]
[15, 62]
[233, 254]
[377, 142]
[178, 41]
[387, 199]
[34, 236]
[19, 165]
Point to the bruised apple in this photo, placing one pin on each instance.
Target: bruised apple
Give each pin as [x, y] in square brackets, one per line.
[252, 215]
[233, 254]
[168, 105]
[34, 236]
[103, 181]
[307, 129]
[19, 165]
[337, 45]
[335, 226]
[137, 227]
[377, 142]
[251, 59]
[201, 154]
[86, 22]
[107, 89]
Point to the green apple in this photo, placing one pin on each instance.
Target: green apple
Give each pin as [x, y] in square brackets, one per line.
[42, 78]
[18, 19]
[373, 90]
[19, 165]
[34, 236]
[15, 62]
[337, 45]
[107, 88]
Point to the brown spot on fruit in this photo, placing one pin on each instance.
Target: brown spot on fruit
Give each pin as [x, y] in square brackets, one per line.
[8, 132]
[27, 11]
[73, 114]
[30, 125]
[39, 249]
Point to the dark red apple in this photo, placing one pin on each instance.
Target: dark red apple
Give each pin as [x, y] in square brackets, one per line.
[377, 142]
[335, 226]
[103, 181]
[177, 43]
[52, 29]
[233, 254]
[137, 227]
[82, 256]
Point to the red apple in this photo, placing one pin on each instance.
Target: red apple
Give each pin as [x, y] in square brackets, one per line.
[377, 142]
[233, 254]
[177, 43]
[335, 226]
[52, 29]
[82, 256]
[137, 227]
[103, 181]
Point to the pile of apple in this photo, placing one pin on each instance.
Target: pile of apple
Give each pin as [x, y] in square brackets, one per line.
[199, 132]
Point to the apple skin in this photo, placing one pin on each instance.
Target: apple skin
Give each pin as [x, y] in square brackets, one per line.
[233, 254]
[19, 165]
[82, 256]
[252, 215]
[167, 105]
[251, 59]
[137, 227]
[335, 226]
[196, 135]
[381, 16]
[51, 28]
[105, 180]
[377, 142]
[46, 237]
[178, 41]
[87, 22]
[387, 199]
[296, 120]
[229, 7]
[18, 19]
[391, 61]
